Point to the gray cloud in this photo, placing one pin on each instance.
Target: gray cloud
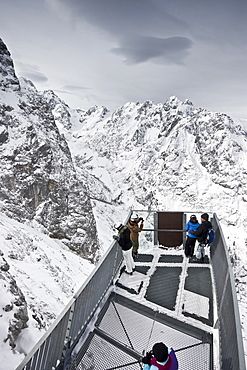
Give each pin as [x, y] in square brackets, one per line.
[37, 77]
[140, 49]
[143, 30]
[121, 17]
[192, 49]
[75, 88]
[30, 72]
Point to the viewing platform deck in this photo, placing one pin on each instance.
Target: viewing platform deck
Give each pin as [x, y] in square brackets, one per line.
[168, 299]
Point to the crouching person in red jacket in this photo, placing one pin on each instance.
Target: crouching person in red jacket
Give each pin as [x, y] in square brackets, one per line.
[160, 358]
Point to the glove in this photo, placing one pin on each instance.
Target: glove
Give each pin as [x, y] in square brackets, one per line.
[115, 237]
[141, 219]
[147, 358]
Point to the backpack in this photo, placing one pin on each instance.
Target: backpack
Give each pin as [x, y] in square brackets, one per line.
[210, 236]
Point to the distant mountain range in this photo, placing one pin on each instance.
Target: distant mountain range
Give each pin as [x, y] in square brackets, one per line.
[73, 174]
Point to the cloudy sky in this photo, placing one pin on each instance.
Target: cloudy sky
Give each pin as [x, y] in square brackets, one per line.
[109, 52]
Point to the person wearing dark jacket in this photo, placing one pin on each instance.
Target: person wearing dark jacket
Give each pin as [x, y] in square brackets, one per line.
[160, 358]
[126, 245]
[201, 234]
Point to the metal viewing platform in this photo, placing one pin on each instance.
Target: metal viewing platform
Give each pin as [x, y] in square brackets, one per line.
[115, 318]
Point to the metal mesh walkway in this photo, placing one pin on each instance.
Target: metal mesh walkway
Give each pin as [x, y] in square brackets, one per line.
[167, 299]
[106, 352]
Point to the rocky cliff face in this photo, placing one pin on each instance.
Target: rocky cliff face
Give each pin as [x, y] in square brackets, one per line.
[38, 178]
[8, 79]
[39, 185]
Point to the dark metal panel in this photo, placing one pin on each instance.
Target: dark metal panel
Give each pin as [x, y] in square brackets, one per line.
[167, 258]
[163, 286]
[170, 221]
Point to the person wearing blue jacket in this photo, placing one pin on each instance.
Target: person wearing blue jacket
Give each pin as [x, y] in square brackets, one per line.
[192, 225]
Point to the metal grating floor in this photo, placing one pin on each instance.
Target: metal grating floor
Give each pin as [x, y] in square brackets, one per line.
[163, 287]
[101, 354]
[137, 315]
[199, 282]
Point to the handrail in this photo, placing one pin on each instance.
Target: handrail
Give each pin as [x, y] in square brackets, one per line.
[63, 333]
[65, 315]
[170, 230]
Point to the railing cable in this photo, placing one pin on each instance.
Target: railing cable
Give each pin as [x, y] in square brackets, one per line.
[151, 331]
[121, 322]
[191, 346]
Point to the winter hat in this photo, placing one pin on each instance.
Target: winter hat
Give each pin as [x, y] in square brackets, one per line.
[205, 216]
[134, 218]
[192, 216]
[160, 352]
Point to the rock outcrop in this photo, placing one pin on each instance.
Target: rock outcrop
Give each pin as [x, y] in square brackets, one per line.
[38, 178]
[15, 306]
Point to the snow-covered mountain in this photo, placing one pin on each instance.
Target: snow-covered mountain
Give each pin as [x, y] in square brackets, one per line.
[38, 178]
[72, 174]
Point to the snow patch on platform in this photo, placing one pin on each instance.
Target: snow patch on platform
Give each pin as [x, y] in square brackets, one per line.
[196, 304]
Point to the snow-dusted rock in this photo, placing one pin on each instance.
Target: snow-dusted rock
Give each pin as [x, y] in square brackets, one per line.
[13, 305]
[38, 178]
[8, 79]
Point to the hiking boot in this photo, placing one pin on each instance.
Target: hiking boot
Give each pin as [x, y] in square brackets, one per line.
[194, 259]
[122, 270]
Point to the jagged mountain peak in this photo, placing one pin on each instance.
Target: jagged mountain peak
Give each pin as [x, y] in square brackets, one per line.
[27, 86]
[174, 143]
[174, 102]
[39, 181]
[8, 79]
[173, 127]
[53, 99]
